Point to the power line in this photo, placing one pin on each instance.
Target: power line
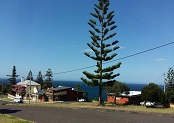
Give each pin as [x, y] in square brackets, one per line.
[141, 52]
[158, 78]
[164, 45]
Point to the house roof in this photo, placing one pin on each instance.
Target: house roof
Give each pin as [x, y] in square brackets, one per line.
[19, 86]
[60, 88]
[27, 82]
[40, 92]
[132, 93]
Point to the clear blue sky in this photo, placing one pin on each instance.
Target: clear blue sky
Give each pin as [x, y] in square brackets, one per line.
[40, 34]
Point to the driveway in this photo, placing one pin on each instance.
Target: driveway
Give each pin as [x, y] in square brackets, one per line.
[83, 115]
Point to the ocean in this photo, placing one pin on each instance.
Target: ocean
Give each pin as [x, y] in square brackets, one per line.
[92, 91]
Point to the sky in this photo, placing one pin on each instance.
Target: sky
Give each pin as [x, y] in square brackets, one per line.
[40, 34]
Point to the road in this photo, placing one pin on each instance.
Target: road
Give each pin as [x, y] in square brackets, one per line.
[83, 115]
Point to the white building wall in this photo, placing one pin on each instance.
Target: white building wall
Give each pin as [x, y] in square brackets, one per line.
[34, 89]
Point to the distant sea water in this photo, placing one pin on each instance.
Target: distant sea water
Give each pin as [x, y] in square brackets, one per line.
[92, 91]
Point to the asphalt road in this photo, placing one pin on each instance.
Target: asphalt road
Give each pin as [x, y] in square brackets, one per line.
[83, 115]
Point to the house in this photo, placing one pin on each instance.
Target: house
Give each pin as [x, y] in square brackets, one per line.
[133, 97]
[31, 88]
[63, 93]
[19, 90]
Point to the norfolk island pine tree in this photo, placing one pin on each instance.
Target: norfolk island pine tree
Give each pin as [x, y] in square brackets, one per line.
[30, 76]
[102, 52]
[12, 78]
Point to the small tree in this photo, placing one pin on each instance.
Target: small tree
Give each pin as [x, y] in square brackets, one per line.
[152, 93]
[103, 48]
[4, 88]
[30, 75]
[169, 85]
[12, 78]
[39, 79]
[77, 89]
[48, 80]
[117, 89]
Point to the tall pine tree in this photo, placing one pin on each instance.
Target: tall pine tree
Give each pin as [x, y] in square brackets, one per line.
[169, 85]
[39, 78]
[48, 81]
[12, 78]
[103, 48]
[30, 76]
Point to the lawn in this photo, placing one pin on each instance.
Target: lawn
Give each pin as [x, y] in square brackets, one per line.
[11, 119]
[5, 98]
[144, 109]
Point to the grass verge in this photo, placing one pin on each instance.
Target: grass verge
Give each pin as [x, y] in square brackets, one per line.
[11, 119]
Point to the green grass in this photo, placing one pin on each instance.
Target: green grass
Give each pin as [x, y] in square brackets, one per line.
[5, 98]
[11, 119]
[144, 109]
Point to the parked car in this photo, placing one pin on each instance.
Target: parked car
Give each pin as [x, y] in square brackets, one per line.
[82, 100]
[18, 100]
[151, 104]
[142, 103]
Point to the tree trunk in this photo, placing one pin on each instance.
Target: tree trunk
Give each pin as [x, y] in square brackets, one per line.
[100, 95]
[115, 97]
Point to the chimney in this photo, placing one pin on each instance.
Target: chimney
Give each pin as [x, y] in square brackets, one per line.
[22, 79]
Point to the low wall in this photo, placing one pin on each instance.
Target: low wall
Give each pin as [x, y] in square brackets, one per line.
[172, 105]
[10, 96]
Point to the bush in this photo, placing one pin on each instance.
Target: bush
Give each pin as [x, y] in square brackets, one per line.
[95, 99]
[152, 93]
[172, 98]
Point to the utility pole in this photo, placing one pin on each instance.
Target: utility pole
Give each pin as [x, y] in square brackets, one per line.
[1, 90]
[164, 84]
[30, 90]
[164, 98]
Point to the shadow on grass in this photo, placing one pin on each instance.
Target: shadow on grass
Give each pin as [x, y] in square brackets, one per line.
[8, 111]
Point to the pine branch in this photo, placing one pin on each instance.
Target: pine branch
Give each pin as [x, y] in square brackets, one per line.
[90, 83]
[94, 15]
[97, 6]
[111, 23]
[109, 36]
[90, 76]
[115, 48]
[115, 42]
[112, 28]
[93, 21]
[110, 15]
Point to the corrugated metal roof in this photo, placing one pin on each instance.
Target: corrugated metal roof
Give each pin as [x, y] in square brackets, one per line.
[40, 92]
[27, 82]
[132, 93]
[60, 88]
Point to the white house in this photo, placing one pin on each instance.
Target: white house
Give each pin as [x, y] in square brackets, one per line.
[35, 88]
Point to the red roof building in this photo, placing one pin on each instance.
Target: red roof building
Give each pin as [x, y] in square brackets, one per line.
[19, 90]
[63, 93]
[133, 97]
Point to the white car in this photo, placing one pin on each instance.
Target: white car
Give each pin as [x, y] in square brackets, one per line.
[151, 104]
[142, 103]
[18, 100]
[82, 100]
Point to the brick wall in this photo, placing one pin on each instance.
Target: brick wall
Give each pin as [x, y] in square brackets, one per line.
[119, 100]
